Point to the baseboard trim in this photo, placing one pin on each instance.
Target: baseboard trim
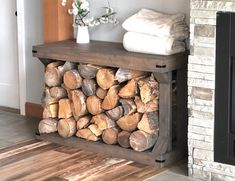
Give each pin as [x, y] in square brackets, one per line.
[33, 110]
[11, 110]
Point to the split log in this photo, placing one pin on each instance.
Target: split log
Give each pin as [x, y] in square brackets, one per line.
[93, 104]
[50, 111]
[103, 122]
[128, 105]
[67, 90]
[88, 71]
[67, 127]
[149, 107]
[123, 139]
[141, 141]
[67, 66]
[72, 79]
[129, 90]
[83, 122]
[78, 104]
[65, 108]
[58, 92]
[53, 77]
[129, 123]
[123, 75]
[89, 87]
[87, 134]
[110, 135]
[105, 78]
[47, 99]
[94, 129]
[115, 113]
[149, 89]
[101, 93]
[48, 125]
[149, 123]
[112, 98]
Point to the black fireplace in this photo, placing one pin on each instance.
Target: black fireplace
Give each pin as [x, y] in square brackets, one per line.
[224, 141]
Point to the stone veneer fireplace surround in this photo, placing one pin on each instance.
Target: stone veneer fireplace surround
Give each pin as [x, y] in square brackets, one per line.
[201, 91]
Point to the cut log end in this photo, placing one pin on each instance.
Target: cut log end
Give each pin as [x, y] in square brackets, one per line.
[72, 79]
[123, 139]
[142, 141]
[67, 127]
[110, 136]
[93, 104]
[105, 78]
[48, 125]
[87, 134]
[129, 122]
[112, 98]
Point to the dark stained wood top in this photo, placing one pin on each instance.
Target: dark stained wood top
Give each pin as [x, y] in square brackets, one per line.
[109, 54]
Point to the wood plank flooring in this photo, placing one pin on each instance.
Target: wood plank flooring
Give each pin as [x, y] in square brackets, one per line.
[44, 161]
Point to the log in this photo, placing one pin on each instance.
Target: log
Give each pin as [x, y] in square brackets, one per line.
[110, 135]
[89, 87]
[115, 113]
[48, 125]
[123, 139]
[101, 93]
[105, 78]
[83, 122]
[78, 104]
[128, 105]
[53, 77]
[129, 122]
[111, 99]
[94, 129]
[149, 107]
[103, 122]
[50, 111]
[54, 64]
[129, 90]
[47, 99]
[149, 123]
[141, 141]
[67, 90]
[72, 79]
[87, 134]
[65, 110]
[93, 104]
[67, 127]
[88, 71]
[123, 75]
[67, 66]
[149, 89]
[58, 93]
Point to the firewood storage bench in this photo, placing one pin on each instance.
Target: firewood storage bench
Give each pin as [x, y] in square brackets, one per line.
[168, 70]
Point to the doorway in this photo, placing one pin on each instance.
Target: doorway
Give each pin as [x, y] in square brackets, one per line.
[9, 75]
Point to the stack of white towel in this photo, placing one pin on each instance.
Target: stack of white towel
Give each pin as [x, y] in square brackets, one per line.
[155, 33]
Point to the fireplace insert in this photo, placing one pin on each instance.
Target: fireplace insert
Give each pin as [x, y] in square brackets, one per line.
[224, 142]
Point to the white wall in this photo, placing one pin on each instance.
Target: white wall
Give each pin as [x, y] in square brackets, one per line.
[33, 36]
[126, 8]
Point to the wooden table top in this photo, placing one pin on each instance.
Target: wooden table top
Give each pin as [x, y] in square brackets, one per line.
[109, 54]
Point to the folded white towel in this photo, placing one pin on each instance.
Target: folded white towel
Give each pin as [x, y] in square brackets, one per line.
[142, 43]
[155, 23]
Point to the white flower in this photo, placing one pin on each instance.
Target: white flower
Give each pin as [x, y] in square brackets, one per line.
[85, 6]
[64, 2]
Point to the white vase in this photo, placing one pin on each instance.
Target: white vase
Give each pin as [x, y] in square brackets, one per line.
[83, 35]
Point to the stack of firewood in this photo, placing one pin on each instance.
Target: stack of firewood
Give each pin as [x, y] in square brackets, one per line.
[117, 106]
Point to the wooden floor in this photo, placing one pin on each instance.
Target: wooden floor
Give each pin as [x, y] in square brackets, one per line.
[38, 160]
